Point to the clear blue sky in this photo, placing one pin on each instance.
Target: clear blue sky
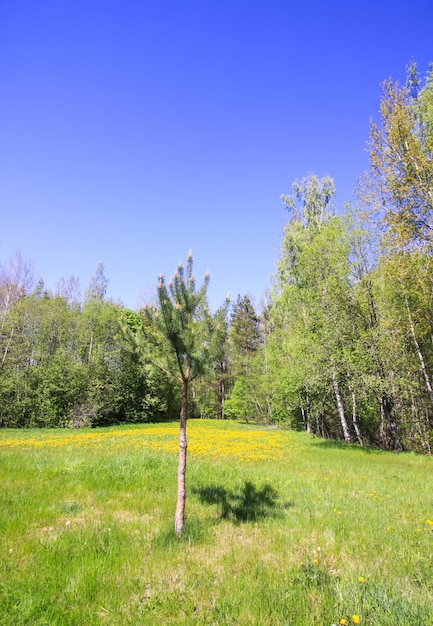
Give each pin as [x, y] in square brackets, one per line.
[131, 131]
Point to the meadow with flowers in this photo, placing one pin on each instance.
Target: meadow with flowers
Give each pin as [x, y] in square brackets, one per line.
[281, 528]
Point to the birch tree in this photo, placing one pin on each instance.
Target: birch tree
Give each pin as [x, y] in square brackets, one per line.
[313, 285]
[397, 190]
[397, 195]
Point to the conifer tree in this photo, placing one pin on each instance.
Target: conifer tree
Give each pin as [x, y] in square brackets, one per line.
[245, 334]
[175, 337]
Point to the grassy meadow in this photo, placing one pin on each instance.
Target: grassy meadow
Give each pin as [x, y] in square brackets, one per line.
[281, 528]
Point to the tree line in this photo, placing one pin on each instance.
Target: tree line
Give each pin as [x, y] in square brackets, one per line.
[342, 347]
[61, 362]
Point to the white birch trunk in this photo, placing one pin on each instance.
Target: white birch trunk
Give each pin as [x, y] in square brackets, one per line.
[420, 355]
[355, 422]
[340, 407]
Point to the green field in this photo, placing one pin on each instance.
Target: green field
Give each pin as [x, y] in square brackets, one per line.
[281, 528]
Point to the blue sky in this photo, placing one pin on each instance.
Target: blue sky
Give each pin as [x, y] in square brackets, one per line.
[133, 130]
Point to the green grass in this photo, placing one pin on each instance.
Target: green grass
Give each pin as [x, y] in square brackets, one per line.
[308, 533]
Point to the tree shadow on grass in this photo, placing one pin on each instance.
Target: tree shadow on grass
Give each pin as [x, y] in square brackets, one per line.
[337, 444]
[248, 504]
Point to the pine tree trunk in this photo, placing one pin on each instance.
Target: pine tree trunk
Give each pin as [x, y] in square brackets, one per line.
[181, 471]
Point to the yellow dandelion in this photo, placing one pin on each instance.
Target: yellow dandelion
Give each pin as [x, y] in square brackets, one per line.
[343, 621]
[429, 522]
[361, 579]
[356, 619]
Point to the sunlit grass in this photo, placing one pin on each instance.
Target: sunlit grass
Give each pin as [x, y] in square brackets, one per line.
[281, 529]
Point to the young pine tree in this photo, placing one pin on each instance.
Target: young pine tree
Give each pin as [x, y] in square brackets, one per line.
[174, 337]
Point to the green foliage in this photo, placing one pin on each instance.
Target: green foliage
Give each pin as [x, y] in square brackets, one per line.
[311, 201]
[211, 390]
[313, 324]
[63, 366]
[249, 399]
[397, 187]
[245, 333]
[174, 336]
[241, 405]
